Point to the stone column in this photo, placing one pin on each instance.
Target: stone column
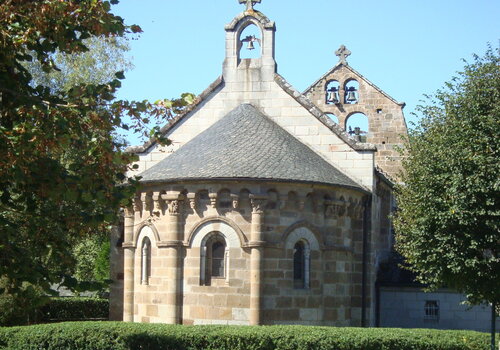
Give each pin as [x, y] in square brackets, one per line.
[257, 245]
[173, 246]
[128, 266]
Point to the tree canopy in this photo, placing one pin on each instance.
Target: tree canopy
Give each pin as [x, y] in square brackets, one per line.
[62, 172]
[98, 65]
[448, 220]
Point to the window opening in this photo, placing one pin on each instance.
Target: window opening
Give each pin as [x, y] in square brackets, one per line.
[301, 263]
[357, 126]
[214, 259]
[218, 250]
[351, 92]
[250, 44]
[145, 261]
[431, 310]
[332, 92]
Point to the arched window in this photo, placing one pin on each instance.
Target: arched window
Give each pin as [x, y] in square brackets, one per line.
[301, 263]
[214, 259]
[145, 261]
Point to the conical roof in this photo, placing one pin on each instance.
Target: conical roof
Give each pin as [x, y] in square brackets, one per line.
[245, 144]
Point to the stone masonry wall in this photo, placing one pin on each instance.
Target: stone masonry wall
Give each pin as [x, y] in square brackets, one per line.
[330, 219]
[385, 116]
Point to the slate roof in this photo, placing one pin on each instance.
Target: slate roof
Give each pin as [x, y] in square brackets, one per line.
[246, 144]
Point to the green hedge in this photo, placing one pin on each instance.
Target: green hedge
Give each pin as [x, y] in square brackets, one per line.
[131, 336]
[74, 309]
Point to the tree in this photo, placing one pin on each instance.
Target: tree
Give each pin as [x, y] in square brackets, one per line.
[62, 173]
[448, 220]
[98, 65]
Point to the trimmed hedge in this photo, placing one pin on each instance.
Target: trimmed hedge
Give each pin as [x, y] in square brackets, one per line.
[132, 336]
[74, 309]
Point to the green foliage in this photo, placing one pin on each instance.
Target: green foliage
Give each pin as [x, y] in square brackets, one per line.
[13, 307]
[98, 65]
[117, 336]
[62, 171]
[92, 258]
[101, 267]
[448, 223]
[74, 309]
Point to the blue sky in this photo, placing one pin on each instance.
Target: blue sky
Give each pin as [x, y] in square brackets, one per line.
[407, 48]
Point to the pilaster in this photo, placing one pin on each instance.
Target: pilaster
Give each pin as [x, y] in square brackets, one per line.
[257, 245]
[128, 268]
[173, 253]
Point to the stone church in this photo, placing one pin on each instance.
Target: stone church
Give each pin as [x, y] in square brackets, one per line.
[264, 209]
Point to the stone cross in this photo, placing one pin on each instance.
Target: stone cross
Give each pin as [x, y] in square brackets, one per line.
[250, 3]
[342, 52]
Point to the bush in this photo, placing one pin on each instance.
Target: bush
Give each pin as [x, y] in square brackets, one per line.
[131, 336]
[74, 309]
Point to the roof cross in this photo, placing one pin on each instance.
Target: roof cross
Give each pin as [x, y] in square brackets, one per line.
[342, 52]
[249, 3]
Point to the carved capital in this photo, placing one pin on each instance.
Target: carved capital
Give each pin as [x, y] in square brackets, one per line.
[174, 207]
[258, 204]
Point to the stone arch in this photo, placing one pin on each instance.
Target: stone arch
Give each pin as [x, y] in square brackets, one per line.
[356, 120]
[301, 230]
[149, 230]
[332, 89]
[351, 91]
[249, 35]
[248, 25]
[233, 235]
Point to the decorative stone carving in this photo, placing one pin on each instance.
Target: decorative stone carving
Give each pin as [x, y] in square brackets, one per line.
[329, 209]
[174, 207]
[235, 199]
[137, 204]
[339, 207]
[145, 202]
[282, 204]
[158, 204]
[359, 211]
[129, 211]
[213, 199]
[258, 204]
[192, 200]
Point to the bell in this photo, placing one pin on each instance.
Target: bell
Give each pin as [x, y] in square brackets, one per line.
[332, 96]
[250, 45]
[351, 96]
